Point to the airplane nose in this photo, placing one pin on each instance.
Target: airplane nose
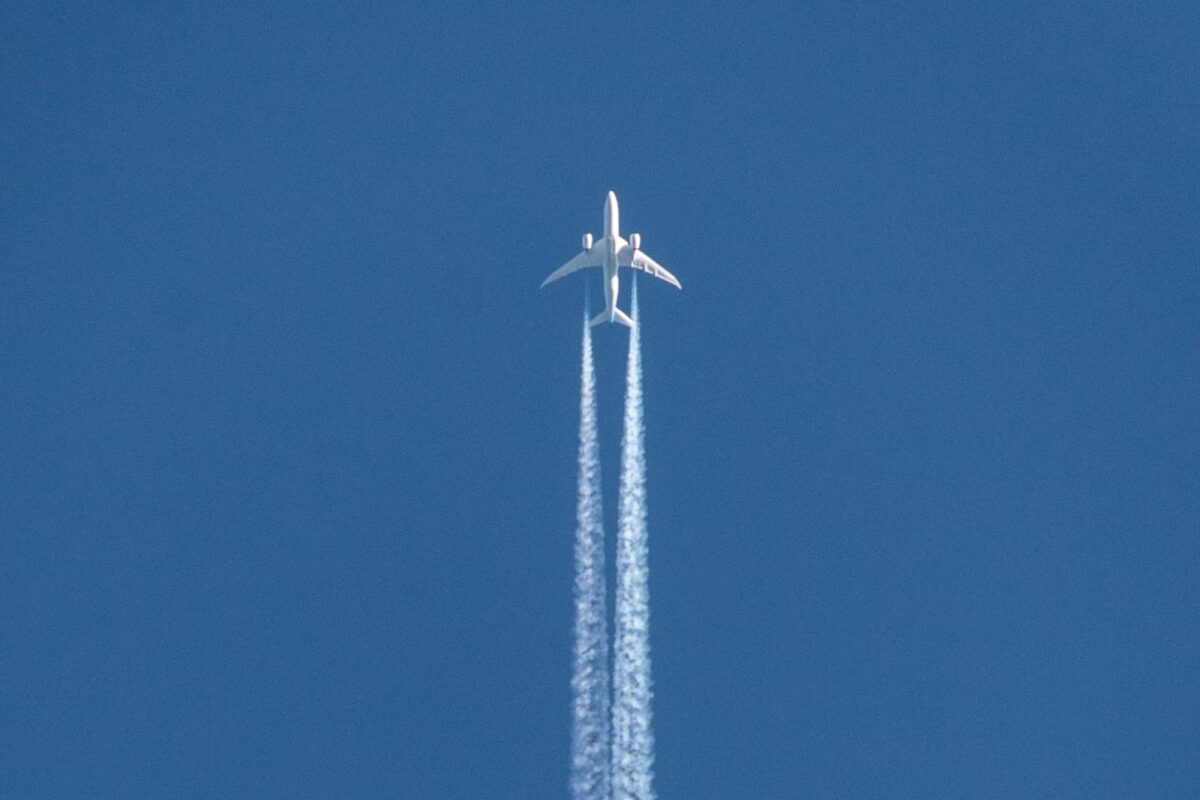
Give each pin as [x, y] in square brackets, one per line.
[612, 197]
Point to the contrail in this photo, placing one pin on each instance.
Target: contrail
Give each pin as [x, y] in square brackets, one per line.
[633, 739]
[590, 707]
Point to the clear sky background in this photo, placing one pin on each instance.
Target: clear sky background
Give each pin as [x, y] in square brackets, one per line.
[289, 431]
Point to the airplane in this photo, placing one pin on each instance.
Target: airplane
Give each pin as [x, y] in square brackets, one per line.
[611, 252]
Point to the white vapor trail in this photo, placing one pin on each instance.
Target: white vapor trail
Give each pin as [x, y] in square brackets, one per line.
[590, 680]
[633, 739]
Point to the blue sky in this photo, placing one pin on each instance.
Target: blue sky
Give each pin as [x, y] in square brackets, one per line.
[289, 430]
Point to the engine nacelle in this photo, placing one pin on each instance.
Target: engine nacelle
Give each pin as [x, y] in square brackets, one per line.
[635, 241]
[587, 241]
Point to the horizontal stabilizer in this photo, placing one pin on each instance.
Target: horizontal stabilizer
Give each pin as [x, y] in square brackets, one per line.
[618, 316]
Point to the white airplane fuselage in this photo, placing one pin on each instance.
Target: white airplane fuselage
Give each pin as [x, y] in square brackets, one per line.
[612, 242]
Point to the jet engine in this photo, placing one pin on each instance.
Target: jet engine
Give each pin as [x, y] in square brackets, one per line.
[587, 241]
[635, 241]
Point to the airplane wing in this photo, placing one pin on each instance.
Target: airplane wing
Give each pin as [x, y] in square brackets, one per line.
[636, 259]
[586, 258]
